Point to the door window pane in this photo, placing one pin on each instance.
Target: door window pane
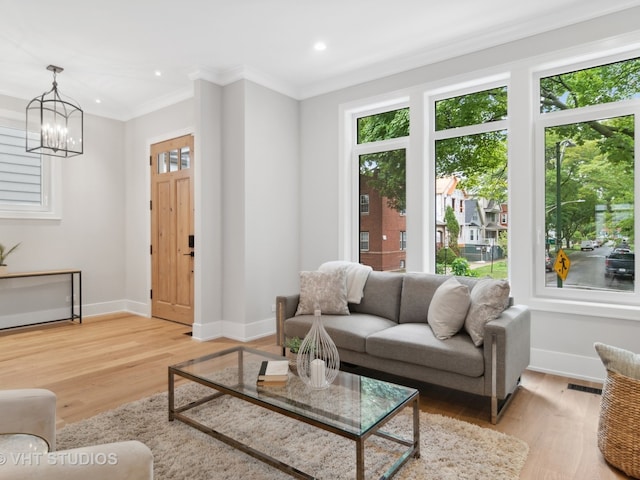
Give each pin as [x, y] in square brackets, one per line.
[185, 158]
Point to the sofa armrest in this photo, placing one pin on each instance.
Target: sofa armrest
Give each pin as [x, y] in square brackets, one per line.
[507, 349]
[286, 306]
[29, 410]
[131, 460]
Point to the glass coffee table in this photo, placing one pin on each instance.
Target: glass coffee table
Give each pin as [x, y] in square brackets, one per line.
[354, 407]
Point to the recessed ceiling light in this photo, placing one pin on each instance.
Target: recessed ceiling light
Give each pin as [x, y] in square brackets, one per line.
[158, 73]
[320, 46]
[98, 100]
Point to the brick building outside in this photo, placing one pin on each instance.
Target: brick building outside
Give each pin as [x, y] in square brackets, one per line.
[383, 231]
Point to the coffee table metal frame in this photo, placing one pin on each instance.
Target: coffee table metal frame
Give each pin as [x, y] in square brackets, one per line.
[177, 413]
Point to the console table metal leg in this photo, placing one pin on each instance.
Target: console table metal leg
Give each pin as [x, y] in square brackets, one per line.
[80, 296]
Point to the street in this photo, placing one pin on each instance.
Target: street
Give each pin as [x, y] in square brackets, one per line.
[587, 271]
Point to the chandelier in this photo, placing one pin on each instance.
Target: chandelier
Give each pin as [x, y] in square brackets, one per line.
[54, 125]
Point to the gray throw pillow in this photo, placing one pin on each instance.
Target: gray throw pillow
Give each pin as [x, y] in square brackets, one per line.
[326, 291]
[489, 298]
[619, 360]
[448, 308]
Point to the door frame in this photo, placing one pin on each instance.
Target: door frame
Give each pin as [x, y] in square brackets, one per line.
[147, 215]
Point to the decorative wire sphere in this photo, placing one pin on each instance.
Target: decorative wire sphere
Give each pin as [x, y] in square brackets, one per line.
[318, 360]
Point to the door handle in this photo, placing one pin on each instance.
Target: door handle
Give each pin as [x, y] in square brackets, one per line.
[190, 254]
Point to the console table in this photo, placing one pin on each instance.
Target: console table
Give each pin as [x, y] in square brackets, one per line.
[75, 277]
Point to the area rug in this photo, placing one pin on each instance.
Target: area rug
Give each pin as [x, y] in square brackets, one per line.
[450, 449]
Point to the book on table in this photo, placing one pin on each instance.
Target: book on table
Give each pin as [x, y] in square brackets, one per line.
[273, 371]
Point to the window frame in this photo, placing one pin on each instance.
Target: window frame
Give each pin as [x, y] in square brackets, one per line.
[543, 120]
[50, 207]
[349, 175]
[480, 84]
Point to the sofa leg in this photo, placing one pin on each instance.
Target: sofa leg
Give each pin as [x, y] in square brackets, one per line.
[499, 406]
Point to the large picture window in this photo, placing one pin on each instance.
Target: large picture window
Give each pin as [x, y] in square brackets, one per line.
[587, 126]
[471, 190]
[382, 183]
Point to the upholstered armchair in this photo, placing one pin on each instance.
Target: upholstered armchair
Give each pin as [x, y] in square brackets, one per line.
[33, 411]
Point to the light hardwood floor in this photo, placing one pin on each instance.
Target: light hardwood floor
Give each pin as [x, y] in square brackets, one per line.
[111, 360]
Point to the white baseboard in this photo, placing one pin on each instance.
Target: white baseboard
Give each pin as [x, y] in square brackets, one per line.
[244, 332]
[567, 365]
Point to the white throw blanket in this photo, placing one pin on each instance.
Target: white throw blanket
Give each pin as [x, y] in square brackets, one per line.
[357, 275]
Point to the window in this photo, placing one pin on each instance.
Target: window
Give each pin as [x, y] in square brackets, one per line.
[403, 240]
[470, 144]
[364, 204]
[26, 179]
[587, 128]
[364, 241]
[380, 148]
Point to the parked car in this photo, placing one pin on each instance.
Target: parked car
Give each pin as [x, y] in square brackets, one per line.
[586, 245]
[621, 262]
[548, 263]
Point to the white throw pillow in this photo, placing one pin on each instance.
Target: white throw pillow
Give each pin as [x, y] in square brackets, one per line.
[326, 291]
[489, 298]
[448, 308]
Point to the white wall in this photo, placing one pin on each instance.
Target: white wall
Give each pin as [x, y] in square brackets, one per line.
[208, 200]
[90, 235]
[272, 175]
[261, 211]
[140, 134]
[562, 336]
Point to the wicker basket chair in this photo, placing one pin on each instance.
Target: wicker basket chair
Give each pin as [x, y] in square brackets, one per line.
[619, 423]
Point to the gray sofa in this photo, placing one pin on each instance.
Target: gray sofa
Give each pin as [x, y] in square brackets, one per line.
[388, 332]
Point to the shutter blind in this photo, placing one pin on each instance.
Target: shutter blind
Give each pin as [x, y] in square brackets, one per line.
[20, 171]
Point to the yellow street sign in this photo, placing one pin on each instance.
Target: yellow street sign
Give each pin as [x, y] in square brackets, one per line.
[562, 264]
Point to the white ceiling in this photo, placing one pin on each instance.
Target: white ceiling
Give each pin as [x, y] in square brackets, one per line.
[110, 50]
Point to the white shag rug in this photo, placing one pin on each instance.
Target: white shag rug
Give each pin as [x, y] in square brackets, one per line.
[450, 449]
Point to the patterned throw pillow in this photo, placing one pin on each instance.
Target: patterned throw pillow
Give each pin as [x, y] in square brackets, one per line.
[326, 291]
[489, 298]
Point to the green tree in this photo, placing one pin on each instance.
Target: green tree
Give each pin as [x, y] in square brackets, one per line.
[480, 160]
[385, 171]
[453, 227]
[592, 86]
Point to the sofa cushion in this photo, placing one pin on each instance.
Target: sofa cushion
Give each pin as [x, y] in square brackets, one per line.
[417, 291]
[347, 333]
[381, 295]
[489, 298]
[326, 291]
[448, 308]
[415, 343]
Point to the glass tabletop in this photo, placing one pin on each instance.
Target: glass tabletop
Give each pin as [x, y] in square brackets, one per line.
[352, 404]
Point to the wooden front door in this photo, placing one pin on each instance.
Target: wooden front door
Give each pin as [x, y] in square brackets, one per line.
[172, 239]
